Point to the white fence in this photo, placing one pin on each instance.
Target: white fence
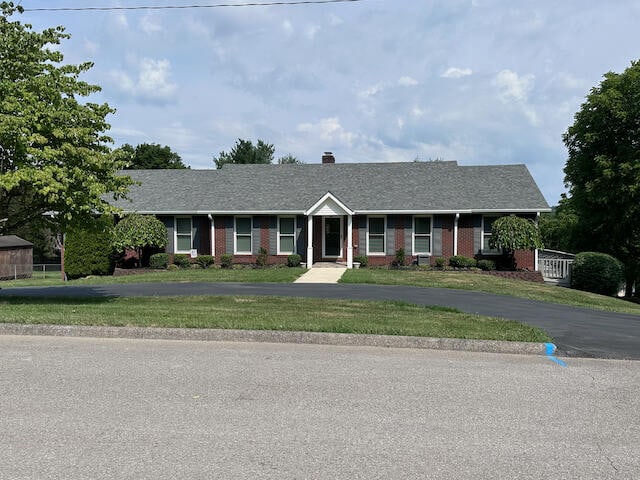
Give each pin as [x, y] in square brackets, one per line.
[556, 270]
[39, 270]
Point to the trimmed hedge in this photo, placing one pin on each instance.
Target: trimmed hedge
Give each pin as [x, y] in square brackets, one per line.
[205, 261]
[88, 251]
[182, 260]
[486, 265]
[459, 261]
[226, 260]
[362, 259]
[294, 260]
[159, 260]
[597, 272]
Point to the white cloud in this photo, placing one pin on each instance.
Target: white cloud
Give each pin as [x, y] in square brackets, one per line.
[512, 86]
[407, 82]
[153, 80]
[287, 27]
[329, 130]
[400, 122]
[371, 91]
[150, 24]
[515, 89]
[417, 112]
[455, 72]
[334, 20]
[312, 31]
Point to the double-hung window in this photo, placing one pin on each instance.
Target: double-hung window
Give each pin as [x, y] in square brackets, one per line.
[376, 236]
[422, 235]
[243, 236]
[286, 235]
[183, 235]
[487, 225]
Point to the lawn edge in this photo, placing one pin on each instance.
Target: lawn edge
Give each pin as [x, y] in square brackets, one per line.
[275, 336]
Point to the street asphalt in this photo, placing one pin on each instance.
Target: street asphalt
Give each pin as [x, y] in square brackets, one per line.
[77, 408]
[576, 331]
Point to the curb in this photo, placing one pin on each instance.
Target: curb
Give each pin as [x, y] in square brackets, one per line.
[273, 336]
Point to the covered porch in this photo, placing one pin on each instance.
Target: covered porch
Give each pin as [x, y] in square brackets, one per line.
[329, 232]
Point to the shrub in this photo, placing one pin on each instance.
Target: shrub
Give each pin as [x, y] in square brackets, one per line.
[139, 233]
[226, 260]
[172, 266]
[597, 273]
[486, 265]
[294, 260]
[88, 249]
[261, 259]
[182, 260]
[400, 260]
[441, 263]
[459, 261]
[159, 260]
[205, 261]
[362, 259]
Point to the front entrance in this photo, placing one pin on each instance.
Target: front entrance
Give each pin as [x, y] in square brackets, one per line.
[332, 237]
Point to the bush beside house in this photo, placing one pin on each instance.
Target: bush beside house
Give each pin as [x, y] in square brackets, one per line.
[597, 272]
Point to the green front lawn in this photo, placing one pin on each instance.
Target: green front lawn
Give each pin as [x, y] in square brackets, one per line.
[267, 313]
[489, 284]
[243, 275]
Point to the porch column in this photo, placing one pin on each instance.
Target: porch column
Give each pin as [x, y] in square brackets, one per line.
[309, 241]
[213, 236]
[349, 241]
[455, 234]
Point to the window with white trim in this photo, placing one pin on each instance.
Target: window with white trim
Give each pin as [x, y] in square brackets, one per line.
[422, 235]
[376, 236]
[183, 237]
[286, 235]
[243, 236]
[487, 225]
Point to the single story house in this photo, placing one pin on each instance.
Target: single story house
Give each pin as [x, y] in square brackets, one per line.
[332, 212]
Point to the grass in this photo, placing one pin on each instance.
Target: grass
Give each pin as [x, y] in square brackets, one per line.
[244, 275]
[490, 284]
[267, 313]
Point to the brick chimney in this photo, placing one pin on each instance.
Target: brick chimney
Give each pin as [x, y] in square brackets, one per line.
[328, 158]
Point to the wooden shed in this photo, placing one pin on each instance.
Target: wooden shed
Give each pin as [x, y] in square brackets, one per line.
[16, 257]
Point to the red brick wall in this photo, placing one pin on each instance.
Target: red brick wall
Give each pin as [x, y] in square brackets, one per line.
[264, 233]
[220, 236]
[465, 236]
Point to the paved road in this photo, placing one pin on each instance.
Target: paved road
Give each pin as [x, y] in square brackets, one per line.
[77, 408]
[576, 331]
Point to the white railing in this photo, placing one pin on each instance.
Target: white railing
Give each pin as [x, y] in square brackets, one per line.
[556, 269]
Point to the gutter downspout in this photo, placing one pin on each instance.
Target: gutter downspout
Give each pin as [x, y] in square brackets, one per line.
[455, 234]
[537, 268]
[213, 236]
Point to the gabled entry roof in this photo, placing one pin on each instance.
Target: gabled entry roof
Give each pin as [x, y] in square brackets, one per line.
[358, 187]
[329, 205]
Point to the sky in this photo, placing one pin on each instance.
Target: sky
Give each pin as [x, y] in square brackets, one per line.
[477, 81]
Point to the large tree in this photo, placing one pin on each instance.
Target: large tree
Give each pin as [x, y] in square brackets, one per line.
[603, 168]
[244, 151]
[151, 156]
[55, 163]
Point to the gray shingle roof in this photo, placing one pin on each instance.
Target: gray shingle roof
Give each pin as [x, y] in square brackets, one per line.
[362, 187]
[13, 241]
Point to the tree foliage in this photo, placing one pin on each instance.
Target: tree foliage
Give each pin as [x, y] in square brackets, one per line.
[54, 156]
[137, 232]
[560, 228]
[603, 167]
[151, 156]
[87, 249]
[244, 152]
[515, 233]
[289, 160]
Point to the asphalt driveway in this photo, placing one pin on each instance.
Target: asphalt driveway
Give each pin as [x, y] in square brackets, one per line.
[576, 331]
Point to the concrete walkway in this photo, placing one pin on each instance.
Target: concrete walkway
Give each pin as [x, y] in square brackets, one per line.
[322, 274]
